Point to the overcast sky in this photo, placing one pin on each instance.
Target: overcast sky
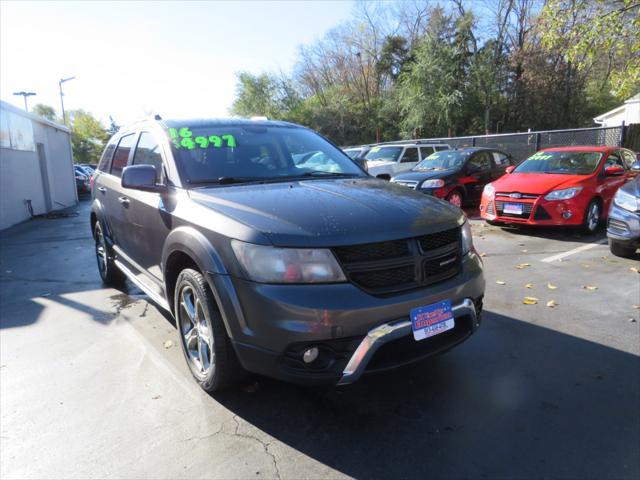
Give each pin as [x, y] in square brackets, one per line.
[176, 59]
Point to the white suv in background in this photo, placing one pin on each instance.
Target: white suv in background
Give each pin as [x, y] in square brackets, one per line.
[386, 160]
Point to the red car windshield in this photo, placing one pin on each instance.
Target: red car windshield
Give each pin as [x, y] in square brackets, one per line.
[561, 162]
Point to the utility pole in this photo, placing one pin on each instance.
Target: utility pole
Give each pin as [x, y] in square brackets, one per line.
[62, 80]
[24, 95]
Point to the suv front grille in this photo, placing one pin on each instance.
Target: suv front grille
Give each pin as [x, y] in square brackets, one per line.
[372, 251]
[400, 265]
[440, 239]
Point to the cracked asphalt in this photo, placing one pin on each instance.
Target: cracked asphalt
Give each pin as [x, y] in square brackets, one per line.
[93, 383]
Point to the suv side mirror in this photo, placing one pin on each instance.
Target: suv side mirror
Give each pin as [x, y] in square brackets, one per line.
[636, 167]
[614, 171]
[510, 169]
[140, 177]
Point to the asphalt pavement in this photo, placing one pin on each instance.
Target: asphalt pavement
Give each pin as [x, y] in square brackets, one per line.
[93, 383]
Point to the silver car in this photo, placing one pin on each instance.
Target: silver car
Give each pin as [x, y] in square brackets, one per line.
[623, 225]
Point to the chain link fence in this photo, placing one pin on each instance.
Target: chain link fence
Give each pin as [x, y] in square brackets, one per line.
[522, 145]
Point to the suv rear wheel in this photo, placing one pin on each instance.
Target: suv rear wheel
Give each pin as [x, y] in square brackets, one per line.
[110, 274]
[203, 338]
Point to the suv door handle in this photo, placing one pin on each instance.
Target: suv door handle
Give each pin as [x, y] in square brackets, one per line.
[124, 201]
[102, 190]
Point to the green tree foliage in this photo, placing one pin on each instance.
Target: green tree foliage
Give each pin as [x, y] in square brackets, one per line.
[590, 31]
[423, 68]
[88, 136]
[45, 111]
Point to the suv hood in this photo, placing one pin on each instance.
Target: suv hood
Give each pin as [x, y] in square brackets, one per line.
[420, 175]
[325, 213]
[536, 183]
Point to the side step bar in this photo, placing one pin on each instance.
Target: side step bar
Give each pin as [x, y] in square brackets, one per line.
[142, 286]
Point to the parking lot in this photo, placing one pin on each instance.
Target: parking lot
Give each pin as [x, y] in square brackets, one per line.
[93, 383]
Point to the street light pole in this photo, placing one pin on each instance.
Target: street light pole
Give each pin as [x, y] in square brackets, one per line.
[24, 95]
[62, 80]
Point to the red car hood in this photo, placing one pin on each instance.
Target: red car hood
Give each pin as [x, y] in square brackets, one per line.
[535, 183]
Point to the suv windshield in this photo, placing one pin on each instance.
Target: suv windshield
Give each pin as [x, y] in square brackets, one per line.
[384, 153]
[443, 160]
[238, 154]
[563, 163]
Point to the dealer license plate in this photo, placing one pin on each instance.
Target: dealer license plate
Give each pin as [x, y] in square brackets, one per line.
[512, 208]
[432, 320]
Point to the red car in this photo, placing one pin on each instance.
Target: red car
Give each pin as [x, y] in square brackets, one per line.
[559, 186]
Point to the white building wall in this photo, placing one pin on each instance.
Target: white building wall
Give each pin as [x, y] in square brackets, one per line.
[22, 177]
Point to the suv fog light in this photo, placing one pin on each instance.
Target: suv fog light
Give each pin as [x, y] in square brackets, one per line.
[310, 354]
[567, 215]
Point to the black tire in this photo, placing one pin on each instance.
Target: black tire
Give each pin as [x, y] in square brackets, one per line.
[111, 275]
[621, 250]
[588, 225]
[219, 368]
[384, 176]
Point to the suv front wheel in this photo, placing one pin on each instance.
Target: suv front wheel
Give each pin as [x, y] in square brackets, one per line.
[203, 338]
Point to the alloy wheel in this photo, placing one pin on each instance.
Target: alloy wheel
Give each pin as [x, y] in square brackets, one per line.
[196, 332]
[593, 217]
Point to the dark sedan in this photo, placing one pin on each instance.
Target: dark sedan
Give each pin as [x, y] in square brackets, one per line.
[459, 176]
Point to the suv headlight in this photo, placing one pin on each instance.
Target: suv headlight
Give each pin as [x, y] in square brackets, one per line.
[437, 183]
[627, 201]
[467, 239]
[267, 264]
[564, 194]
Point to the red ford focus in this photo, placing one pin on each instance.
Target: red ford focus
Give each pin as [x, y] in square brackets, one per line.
[559, 186]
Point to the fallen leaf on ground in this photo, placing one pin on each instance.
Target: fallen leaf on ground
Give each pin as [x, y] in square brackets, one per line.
[500, 282]
[529, 285]
[589, 287]
[525, 251]
[483, 254]
[637, 307]
[168, 344]
[529, 300]
[552, 303]
[551, 286]
[156, 397]
[634, 269]
[520, 266]
[632, 320]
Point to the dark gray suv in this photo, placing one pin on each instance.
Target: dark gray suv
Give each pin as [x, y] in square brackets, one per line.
[306, 271]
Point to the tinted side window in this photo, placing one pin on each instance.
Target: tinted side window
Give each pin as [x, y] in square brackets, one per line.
[105, 161]
[410, 155]
[480, 162]
[500, 159]
[148, 153]
[122, 155]
[443, 147]
[426, 151]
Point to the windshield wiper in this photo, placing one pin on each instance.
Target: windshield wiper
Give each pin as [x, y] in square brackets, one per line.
[320, 173]
[225, 180]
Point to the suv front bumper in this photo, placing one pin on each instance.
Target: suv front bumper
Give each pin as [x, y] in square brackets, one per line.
[271, 325]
